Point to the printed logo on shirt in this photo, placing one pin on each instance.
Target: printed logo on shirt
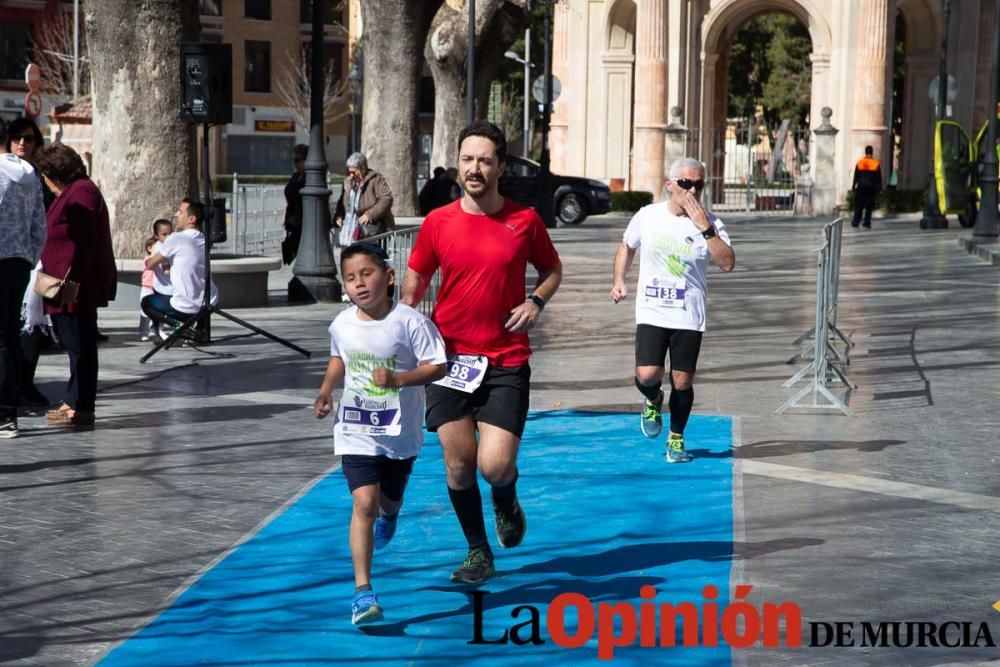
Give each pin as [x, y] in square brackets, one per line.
[362, 364]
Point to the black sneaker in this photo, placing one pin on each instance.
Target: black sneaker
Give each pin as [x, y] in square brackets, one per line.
[476, 568]
[510, 526]
[8, 428]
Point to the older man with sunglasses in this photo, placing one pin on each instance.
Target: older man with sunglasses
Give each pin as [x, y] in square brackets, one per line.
[677, 236]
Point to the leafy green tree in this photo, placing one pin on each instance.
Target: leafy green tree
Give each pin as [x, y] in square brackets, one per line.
[770, 70]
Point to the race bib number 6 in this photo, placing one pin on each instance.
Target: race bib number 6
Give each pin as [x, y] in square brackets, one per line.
[365, 415]
[465, 372]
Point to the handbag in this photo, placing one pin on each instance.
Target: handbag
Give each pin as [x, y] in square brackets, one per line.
[54, 289]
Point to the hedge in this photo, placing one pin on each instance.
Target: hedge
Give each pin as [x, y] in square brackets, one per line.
[630, 200]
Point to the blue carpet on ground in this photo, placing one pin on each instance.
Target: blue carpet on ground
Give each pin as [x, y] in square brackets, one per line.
[606, 516]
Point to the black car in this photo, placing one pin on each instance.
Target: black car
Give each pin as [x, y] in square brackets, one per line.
[574, 197]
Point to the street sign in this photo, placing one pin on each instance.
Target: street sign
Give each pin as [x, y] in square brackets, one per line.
[538, 89]
[951, 89]
[33, 76]
[32, 105]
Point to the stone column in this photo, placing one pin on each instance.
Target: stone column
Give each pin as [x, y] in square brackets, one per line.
[873, 60]
[675, 146]
[824, 188]
[651, 96]
[559, 126]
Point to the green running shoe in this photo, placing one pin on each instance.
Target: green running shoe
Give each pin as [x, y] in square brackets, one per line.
[675, 450]
[477, 567]
[651, 421]
[510, 526]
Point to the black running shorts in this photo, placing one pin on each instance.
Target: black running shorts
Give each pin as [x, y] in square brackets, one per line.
[501, 400]
[365, 470]
[652, 344]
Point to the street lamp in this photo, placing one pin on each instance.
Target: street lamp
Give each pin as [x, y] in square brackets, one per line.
[526, 61]
[355, 80]
[544, 203]
[932, 218]
[315, 274]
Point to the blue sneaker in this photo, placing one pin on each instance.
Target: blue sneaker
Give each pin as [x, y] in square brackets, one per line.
[384, 530]
[675, 450]
[365, 608]
[651, 421]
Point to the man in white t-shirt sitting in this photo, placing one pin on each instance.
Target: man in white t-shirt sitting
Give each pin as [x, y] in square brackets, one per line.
[184, 250]
[677, 236]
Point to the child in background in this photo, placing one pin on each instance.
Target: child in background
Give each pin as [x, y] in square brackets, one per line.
[162, 228]
[146, 324]
[385, 352]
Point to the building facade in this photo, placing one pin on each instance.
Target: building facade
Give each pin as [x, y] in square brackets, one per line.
[268, 38]
[626, 64]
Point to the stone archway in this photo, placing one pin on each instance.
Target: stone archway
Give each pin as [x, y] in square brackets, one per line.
[720, 25]
[617, 79]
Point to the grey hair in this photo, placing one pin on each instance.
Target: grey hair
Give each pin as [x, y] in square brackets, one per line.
[685, 163]
[357, 160]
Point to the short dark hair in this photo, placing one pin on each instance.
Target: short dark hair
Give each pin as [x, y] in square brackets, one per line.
[195, 208]
[869, 150]
[61, 163]
[484, 128]
[300, 152]
[369, 249]
[17, 126]
[438, 171]
[161, 222]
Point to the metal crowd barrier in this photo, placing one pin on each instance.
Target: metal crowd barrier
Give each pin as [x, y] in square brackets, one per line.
[823, 368]
[257, 218]
[398, 244]
[835, 233]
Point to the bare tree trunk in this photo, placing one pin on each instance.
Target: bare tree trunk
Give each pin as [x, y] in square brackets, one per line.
[143, 155]
[499, 23]
[394, 36]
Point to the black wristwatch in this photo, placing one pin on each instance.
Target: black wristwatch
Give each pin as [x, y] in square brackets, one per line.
[709, 233]
[537, 300]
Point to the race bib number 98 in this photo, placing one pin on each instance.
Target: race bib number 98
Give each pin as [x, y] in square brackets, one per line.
[465, 372]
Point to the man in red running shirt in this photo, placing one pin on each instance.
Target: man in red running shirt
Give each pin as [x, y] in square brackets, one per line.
[482, 243]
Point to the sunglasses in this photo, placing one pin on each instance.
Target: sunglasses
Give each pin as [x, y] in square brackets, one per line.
[687, 184]
[26, 138]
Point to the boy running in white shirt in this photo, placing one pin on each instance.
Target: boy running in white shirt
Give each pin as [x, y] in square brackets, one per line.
[385, 352]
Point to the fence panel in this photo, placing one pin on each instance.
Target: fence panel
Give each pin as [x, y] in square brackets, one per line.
[751, 168]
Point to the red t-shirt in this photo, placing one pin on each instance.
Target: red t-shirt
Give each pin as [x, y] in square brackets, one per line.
[482, 259]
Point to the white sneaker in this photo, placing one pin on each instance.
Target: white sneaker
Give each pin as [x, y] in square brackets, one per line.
[8, 430]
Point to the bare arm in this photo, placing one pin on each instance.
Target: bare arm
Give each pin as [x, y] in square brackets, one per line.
[414, 287]
[418, 377]
[524, 316]
[623, 261]
[323, 405]
[154, 260]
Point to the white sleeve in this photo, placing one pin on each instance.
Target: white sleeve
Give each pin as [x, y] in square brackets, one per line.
[168, 248]
[426, 342]
[334, 346]
[633, 233]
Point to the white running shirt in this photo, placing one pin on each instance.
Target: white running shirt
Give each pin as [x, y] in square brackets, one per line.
[672, 286]
[161, 281]
[186, 252]
[400, 341]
